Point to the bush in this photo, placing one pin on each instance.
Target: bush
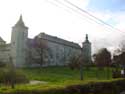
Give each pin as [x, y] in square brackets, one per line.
[2, 64]
[6, 77]
[111, 87]
[10, 76]
[20, 78]
[116, 74]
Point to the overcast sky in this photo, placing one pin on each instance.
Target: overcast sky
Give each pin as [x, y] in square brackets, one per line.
[56, 19]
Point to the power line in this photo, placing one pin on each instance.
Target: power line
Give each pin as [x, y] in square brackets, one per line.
[91, 15]
[75, 11]
[55, 4]
[93, 18]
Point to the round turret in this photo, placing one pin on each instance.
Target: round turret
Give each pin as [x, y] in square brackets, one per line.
[18, 43]
[86, 50]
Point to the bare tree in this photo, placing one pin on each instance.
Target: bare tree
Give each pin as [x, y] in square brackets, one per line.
[12, 72]
[37, 52]
[77, 62]
[122, 46]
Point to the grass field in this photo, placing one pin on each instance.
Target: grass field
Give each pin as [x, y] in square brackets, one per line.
[57, 77]
[62, 74]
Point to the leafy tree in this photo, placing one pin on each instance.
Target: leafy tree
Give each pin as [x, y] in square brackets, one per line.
[8, 73]
[103, 59]
[120, 60]
[10, 76]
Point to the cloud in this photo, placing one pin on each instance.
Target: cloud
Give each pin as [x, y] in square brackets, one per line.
[41, 16]
[81, 3]
[108, 37]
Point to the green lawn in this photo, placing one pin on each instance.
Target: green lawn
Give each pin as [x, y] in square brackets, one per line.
[62, 74]
[57, 77]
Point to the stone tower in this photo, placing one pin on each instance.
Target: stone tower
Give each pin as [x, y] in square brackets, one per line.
[86, 50]
[18, 43]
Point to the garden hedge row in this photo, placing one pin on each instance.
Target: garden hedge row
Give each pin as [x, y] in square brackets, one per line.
[110, 87]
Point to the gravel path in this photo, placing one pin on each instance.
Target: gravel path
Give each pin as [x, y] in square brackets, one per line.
[34, 82]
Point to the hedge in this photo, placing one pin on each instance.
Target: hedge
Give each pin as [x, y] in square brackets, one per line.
[105, 87]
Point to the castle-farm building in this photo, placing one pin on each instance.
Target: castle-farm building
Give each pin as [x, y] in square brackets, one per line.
[49, 50]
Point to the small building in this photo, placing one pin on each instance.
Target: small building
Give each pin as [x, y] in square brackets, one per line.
[4, 51]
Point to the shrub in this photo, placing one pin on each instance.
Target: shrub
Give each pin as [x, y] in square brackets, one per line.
[20, 78]
[116, 74]
[6, 77]
[10, 76]
[2, 64]
[110, 87]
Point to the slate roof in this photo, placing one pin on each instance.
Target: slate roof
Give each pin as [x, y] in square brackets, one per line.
[31, 42]
[1, 40]
[58, 40]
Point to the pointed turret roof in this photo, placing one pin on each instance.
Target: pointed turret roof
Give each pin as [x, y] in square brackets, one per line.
[20, 22]
[86, 39]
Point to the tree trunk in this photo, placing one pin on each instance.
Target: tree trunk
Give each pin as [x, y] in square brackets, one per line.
[81, 72]
[12, 84]
[108, 72]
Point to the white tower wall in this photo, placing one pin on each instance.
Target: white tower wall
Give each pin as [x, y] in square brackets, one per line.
[18, 43]
[86, 50]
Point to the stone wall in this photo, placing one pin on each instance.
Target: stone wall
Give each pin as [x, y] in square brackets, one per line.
[4, 52]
